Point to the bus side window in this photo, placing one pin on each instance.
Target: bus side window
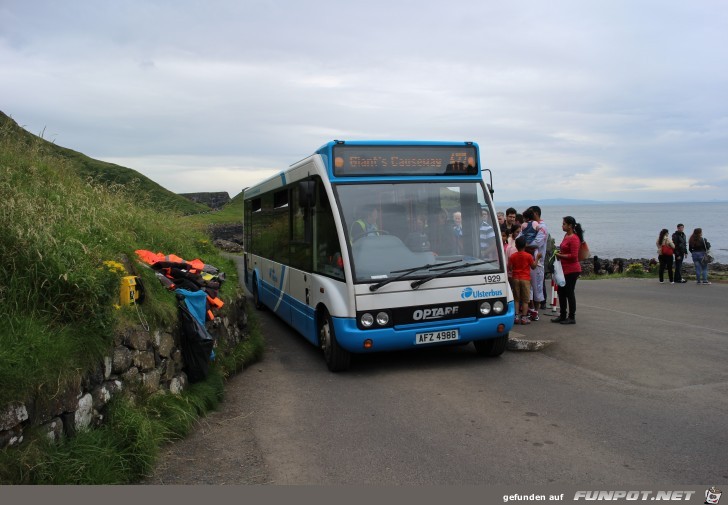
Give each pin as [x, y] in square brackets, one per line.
[328, 259]
[301, 230]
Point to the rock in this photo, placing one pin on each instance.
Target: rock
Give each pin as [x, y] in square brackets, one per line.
[137, 338]
[227, 245]
[121, 360]
[12, 437]
[108, 367]
[84, 413]
[168, 370]
[164, 343]
[12, 415]
[103, 393]
[215, 200]
[65, 401]
[229, 232]
[144, 360]
[131, 376]
[178, 384]
[53, 429]
[150, 380]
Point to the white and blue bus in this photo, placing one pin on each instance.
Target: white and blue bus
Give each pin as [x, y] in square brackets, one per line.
[370, 246]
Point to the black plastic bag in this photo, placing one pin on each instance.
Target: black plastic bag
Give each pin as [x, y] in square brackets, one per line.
[196, 343]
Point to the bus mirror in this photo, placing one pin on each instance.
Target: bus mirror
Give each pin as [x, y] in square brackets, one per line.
[306, 194]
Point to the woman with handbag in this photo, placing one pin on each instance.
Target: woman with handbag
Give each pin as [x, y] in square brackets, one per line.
[699, 248]
[665, 250]
[568, 255]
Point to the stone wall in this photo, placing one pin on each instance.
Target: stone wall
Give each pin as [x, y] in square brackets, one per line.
[139, 358]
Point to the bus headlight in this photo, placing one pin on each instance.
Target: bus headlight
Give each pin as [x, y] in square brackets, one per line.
[382, 319]
[485, 308]
[499, 307]
[367, 320]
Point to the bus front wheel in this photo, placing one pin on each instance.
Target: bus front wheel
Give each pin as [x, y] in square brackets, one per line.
[337, 358]
[492, 347]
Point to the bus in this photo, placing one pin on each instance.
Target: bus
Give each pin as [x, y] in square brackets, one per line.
[371, 246]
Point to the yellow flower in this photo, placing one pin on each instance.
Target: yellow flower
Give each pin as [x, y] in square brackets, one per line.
[115, 266]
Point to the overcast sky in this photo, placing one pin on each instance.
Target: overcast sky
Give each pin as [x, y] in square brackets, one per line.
[605, 99]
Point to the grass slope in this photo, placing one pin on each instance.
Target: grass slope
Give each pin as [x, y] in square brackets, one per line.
[105, 173]
[61, 220]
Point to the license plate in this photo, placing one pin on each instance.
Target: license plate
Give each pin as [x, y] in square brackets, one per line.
[436, 336]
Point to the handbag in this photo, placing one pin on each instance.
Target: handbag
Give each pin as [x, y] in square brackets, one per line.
[708, 258]
[559, 274]
[583, 251]
[667, 250]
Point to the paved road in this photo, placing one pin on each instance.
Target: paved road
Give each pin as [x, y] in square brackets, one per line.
[635, 392]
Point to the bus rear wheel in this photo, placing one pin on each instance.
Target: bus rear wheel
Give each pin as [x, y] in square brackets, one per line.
[492, 347]
[256, 297]
[337, 358]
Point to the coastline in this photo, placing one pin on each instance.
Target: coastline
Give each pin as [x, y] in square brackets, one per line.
[649, 265]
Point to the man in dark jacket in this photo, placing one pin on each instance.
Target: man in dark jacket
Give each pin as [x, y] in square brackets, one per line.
[681, 249]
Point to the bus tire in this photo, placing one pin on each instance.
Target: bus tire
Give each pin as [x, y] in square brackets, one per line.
[492, 347]
[337, 358]
[256, 296]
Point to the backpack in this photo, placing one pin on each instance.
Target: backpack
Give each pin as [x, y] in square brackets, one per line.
[550, 254]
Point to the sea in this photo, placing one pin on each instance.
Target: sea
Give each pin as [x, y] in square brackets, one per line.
[630, 230]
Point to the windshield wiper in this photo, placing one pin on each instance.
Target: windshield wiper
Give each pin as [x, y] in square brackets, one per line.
[417, 284]
[405, 273]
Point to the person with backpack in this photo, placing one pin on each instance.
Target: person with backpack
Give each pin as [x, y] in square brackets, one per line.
[536, 233]
[568, 255]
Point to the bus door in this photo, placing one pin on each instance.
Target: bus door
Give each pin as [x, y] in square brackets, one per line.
[301, 258]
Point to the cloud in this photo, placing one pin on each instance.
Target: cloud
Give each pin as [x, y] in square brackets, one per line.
[189, 174]
[598, 97]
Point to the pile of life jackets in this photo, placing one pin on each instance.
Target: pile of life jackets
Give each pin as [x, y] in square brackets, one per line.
[180, 275]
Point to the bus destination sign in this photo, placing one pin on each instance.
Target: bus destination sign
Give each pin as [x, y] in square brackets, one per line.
[353, 160]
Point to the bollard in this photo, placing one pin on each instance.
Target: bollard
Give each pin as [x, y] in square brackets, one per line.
[554, 296]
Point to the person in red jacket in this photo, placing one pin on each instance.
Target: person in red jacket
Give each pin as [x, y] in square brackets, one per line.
[568, 254]
[521, 263]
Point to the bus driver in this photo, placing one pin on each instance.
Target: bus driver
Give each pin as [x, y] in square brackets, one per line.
[366, 224]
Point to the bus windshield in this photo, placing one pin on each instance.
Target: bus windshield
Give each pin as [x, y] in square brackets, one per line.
[419, 226]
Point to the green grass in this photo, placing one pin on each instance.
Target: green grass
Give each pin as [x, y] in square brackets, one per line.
[233, 360]
[102, 173]
[231, 213]
[57, 297]
[63, 215]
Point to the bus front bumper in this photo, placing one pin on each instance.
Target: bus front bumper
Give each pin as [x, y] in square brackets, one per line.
[355, 340]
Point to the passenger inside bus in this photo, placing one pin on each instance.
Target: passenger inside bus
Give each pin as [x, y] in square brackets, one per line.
[442, 235]
[457, 228]
[416, 232]
[487, 236]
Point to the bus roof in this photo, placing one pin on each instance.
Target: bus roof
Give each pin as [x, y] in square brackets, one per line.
[376, 163]
[326, 148]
